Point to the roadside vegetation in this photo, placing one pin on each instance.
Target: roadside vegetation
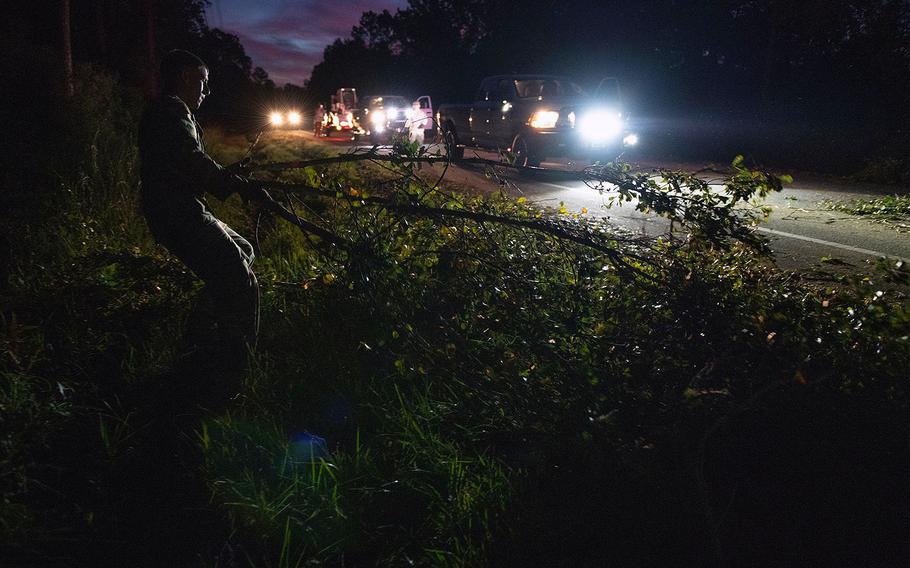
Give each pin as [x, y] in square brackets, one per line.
[890, 171]
[445, 388]
[892, 210]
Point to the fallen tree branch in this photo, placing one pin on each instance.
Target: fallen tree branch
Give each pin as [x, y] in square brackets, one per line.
[549, 226]
[397, 159]
[304, 225]
[678, 196]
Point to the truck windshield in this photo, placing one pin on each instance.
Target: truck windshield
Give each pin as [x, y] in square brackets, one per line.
[544, 87]
[388, 101]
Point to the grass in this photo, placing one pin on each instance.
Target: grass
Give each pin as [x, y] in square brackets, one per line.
[457, 394]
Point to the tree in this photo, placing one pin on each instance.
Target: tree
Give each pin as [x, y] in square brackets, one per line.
[68, 83]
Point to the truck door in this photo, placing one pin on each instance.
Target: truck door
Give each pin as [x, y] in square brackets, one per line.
[502, 128]
[482, 112]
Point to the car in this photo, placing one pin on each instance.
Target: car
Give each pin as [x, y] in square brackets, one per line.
[287, 118]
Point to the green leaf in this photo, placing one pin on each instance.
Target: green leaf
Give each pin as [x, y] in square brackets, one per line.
[110, 275]
[312, 176]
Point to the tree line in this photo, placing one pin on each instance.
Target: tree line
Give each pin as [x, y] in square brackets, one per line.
[819, 64]
[44, 41]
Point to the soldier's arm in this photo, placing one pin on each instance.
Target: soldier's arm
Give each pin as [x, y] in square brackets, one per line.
[199, 167]
[170, 144]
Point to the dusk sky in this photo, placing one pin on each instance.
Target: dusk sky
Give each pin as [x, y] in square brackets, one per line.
[287, 37]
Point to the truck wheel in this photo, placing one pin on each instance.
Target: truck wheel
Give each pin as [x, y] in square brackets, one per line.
[524, 157]
[453, 150]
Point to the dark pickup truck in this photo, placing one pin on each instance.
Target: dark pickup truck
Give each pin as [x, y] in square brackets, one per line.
[533, 117]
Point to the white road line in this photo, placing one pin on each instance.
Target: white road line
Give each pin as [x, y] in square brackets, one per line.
[829, 243]
[568, 187]
[851, 248]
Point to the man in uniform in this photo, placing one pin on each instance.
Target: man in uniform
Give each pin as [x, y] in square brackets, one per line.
[176, 173]
[416, 123]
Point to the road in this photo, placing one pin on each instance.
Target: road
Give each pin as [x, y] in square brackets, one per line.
[801, 231]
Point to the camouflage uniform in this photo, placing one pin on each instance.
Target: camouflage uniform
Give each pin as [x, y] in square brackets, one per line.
[176, 173]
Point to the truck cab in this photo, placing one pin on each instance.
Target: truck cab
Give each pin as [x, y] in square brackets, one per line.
[530, 117]
[383, 116]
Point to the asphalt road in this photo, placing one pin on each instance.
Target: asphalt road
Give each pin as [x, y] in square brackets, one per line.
[802, 232]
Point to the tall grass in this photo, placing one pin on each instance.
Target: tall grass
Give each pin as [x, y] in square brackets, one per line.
[456, 394]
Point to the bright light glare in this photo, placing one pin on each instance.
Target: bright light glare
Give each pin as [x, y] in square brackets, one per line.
[294, 117]
[377, 117]
[544, 119]
[276, 119]
[393, 113]
[600, 125]
[630, 140]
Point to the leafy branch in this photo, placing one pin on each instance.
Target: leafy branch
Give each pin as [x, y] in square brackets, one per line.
[711, 211]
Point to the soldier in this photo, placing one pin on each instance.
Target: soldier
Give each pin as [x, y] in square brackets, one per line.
[417, 123]
[176, 173]
[319, 119]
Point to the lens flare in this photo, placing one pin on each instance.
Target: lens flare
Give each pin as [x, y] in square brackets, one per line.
[600, 126]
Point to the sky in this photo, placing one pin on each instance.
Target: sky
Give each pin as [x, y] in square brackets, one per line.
[287, 37]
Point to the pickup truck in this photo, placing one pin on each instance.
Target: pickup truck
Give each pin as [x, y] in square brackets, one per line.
[532, 117]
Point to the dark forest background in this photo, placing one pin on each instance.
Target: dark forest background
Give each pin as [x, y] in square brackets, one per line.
[803, 84]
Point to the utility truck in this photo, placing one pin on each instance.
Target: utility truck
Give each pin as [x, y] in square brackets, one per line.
[339, 117]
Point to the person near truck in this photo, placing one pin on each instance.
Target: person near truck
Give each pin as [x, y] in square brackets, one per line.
[416, 123]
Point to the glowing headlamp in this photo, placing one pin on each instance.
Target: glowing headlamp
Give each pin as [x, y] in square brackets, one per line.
[544, 119]
[377, 117]
[600, 125]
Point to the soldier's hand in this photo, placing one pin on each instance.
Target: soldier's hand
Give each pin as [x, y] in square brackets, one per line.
[239, 185]
[253, 191]
[259, 193]
[240, 167]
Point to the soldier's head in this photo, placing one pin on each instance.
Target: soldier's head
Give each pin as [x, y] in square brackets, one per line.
[185, 75]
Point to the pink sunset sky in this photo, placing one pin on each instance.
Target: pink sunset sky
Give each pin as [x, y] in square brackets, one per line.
[287, 37]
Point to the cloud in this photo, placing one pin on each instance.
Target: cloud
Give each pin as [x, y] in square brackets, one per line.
[287, 37]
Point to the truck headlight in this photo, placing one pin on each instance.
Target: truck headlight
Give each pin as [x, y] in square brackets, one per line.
[276, 119]
[377, 117]
[600, 125]
[544, 119]
[294, 117]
